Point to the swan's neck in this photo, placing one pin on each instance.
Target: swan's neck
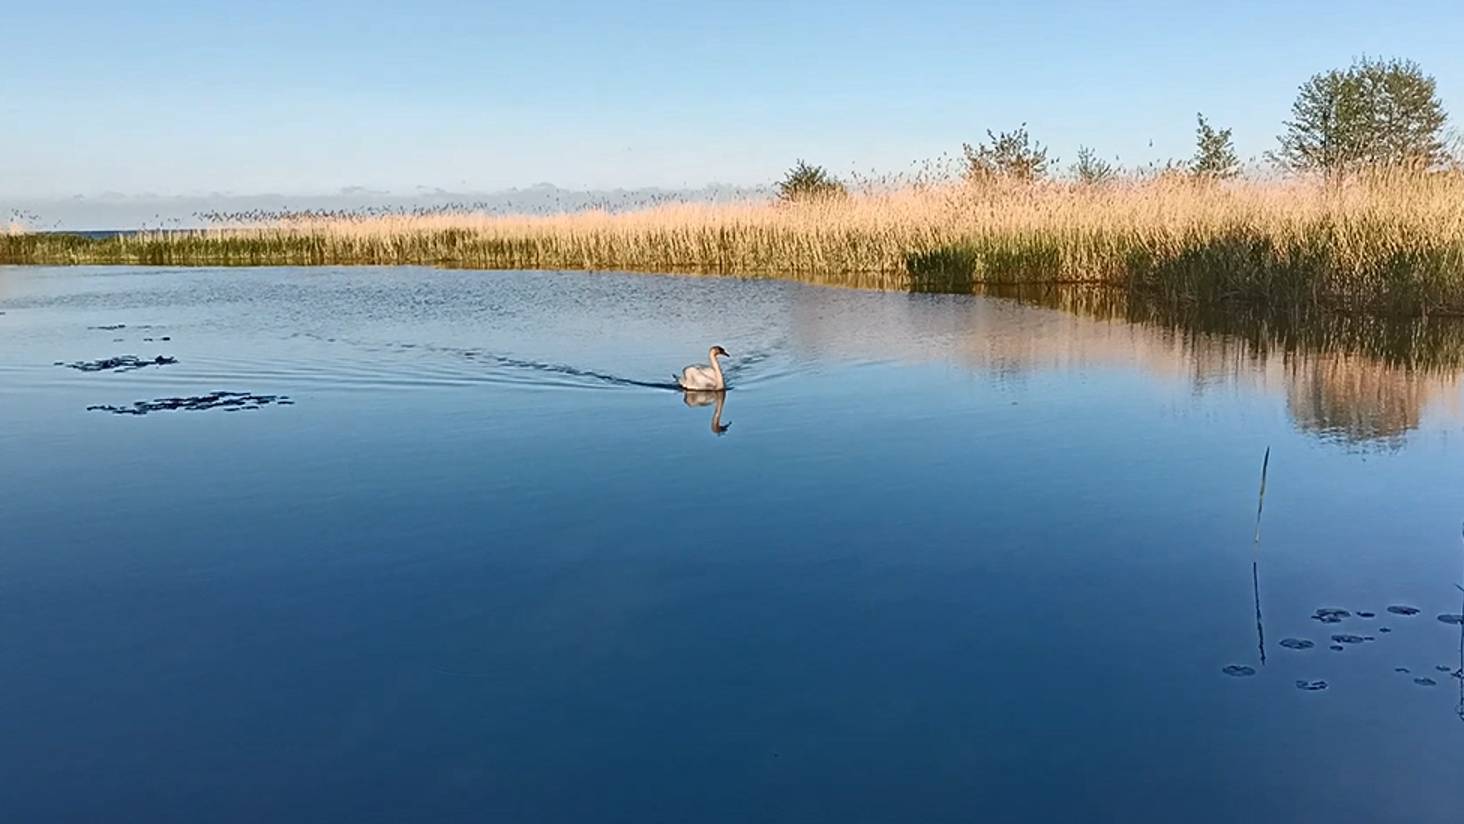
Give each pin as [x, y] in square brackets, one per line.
[717, 369]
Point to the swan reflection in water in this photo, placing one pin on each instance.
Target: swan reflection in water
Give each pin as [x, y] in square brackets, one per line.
[715, 399]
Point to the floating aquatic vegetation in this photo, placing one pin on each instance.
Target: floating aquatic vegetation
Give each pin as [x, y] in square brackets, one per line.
[110, 328]
[227, 401]
[1330, 615]
[1336, 648]
[1425, 682]
[1452, 618]
[1296, 643]
[122, 363]
[1311, 686]
[1239, 671]
[1399, 610]
[1348, 639]
[1385, 629]
[1403, 670]
[1358, 614]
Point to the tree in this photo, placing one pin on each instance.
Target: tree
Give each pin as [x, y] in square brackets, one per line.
[805, 182]
[1374, 113]
[1092, 170]
[1214, 153]
[1010, 155]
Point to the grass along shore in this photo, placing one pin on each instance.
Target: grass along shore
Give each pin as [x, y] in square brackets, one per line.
[1382, 244]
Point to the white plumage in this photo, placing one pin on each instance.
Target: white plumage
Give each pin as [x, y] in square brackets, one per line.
[705, 377]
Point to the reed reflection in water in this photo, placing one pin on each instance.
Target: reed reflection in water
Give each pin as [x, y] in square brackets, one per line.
[1362, 381]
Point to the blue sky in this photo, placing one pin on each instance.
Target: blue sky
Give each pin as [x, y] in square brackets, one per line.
[175, 98]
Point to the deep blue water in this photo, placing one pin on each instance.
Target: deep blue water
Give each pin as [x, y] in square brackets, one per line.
[954, 559]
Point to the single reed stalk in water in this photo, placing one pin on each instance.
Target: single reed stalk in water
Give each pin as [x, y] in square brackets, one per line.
[1261, 502]
[1256, 560]
[1386, 243]
[1260, 625]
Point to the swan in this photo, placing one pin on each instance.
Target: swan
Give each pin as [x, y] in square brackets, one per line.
[701, 377]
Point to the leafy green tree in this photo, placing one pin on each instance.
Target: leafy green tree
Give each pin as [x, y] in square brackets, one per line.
[806, 182]
[1010, 155]
[1092, 170]
[1214, 152]
[1374, 113]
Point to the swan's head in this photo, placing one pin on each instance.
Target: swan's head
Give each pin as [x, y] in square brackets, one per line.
[719, 352]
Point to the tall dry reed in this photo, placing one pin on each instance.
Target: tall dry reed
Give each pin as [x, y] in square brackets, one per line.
[1385, 243]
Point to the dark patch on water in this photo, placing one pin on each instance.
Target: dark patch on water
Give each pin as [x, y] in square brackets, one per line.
[1311, 686]
[1425, 682]
[1336, 648]
[227, 401]
[1403, 670]
[163, 338]
[1330, 615]
[1443, 668]
[121, 363]
[1397, 610]
[1452, 618]
[1348, 639]
[1358, 614]
[1385, 629]
[1296, 643]
[1239, 671]
[110, 327]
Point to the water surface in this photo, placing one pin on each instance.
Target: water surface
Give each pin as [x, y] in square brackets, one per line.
[934, 558]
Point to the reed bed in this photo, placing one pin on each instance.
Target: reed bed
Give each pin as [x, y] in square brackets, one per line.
[1383, 243]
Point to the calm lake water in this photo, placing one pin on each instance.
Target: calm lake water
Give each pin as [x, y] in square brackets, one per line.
[954, 558]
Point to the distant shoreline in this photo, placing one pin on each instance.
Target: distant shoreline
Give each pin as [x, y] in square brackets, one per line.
[1391, 245]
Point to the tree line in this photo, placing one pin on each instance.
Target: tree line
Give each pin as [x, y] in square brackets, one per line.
[1374, 113]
